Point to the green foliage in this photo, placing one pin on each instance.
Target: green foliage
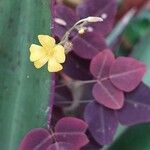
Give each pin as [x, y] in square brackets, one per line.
[138, 27]
[24, 91]
[135, 30]
[135, 138]
[142, 52]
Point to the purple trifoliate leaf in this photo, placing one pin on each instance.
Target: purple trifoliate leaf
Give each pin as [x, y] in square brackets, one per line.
[137, 106]
[102, 122]
[100, 65]
[104, 91]
[103, 8]
[76, 67]
[88, 45]
[38, 139]
[126, 73]
[71, 130]
[68, 130]
[70, 124]
[108, 95]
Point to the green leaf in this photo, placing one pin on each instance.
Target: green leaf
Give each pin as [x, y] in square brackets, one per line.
[135, 30]
[135, 138]
[138, 27]
[120, 130]
[24, 90]
[120, 27]
[142, 52]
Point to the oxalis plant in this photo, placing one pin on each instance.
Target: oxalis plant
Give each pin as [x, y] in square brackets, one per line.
[94, 90]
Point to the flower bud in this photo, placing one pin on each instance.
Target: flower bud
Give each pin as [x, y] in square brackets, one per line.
[94, 19]
[60, 21]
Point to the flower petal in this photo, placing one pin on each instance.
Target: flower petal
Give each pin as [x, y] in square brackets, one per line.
[47, 41]
[54, 66]
[59, 53]
[41, 62]
[36, 52]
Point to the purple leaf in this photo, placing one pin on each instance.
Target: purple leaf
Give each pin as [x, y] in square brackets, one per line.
[57, 114]
[88, 45]
[100, 65]
[38, 139]
[76, 67]
[68, 130]
[62, 146]
[108, 95]
[70, 124]
[104, 91]
[62, 95]
[92, 145]
[87, 8]
[102, 122]
[67, 15]
[137, 106]
[127, 73]
[98, 8]
[78, 139]
[71, 130]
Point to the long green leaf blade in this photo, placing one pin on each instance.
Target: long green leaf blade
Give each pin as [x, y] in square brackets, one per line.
[24, 91]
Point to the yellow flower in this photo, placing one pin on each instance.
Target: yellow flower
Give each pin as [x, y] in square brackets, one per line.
[49, 52]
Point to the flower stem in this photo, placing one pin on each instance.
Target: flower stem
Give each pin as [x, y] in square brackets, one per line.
[78, 25]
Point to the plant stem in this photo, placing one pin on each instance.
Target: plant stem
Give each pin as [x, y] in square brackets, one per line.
[77, 26]
[67, 34]
[70, 102]
[79, 82]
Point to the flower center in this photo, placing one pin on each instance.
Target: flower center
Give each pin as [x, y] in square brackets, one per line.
[49, 52]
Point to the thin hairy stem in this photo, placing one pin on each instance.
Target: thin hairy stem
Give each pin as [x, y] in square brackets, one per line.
[79, 25]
